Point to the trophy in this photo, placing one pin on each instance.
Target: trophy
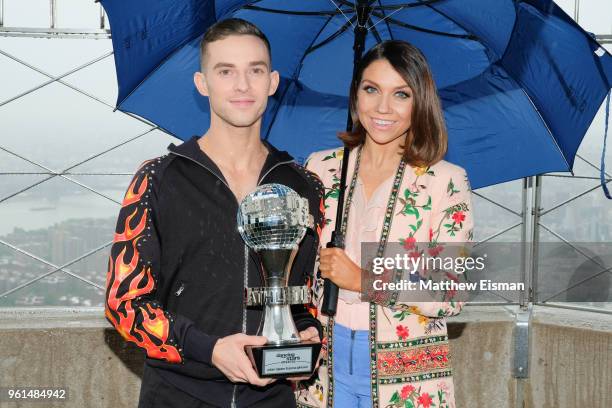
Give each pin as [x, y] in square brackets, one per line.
[272, 220]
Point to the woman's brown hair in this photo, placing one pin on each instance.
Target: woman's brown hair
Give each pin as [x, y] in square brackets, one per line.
[426, 141]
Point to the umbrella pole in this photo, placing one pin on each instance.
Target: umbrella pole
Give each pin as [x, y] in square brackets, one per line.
[330, 289]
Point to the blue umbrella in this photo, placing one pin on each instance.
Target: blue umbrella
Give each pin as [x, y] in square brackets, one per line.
[520, 81]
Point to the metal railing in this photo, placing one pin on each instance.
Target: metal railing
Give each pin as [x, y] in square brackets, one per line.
[54, 30]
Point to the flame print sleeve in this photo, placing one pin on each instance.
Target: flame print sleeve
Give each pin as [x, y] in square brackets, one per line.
[132, 272]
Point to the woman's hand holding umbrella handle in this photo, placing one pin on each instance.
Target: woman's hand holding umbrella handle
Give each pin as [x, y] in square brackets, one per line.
[336, 266]
[329, 306]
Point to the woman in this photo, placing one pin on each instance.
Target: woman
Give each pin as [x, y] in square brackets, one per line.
[391, 352]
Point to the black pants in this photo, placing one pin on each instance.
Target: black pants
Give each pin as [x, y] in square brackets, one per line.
[155, 392]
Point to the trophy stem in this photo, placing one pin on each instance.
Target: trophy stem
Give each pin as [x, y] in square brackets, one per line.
[276, 265]
[278, 322]
[279, 327]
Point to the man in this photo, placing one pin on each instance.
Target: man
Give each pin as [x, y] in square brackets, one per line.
[178, 266]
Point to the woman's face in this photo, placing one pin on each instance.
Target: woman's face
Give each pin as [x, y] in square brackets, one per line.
[384, 103]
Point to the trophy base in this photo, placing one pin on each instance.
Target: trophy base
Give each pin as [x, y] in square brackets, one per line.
[284, 360]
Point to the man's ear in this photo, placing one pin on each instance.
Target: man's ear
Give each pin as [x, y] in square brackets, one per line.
[274, 80]
[199, 79]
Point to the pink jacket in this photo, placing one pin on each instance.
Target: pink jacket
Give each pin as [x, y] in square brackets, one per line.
[410, 358]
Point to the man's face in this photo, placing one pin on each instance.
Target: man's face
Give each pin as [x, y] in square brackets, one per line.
[237, 78]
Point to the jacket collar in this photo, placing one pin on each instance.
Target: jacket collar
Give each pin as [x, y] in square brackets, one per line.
[190, 149]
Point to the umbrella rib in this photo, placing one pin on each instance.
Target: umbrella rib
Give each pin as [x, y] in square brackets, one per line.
[406, 5]
[295, 13]
[550, 133]
[294, 77]
[425, 30]
[331, 38]
[475, 37]
[426, 3]
[346, 3]
[453, 20]
[386, 22]
[375, 32]
[384, 17]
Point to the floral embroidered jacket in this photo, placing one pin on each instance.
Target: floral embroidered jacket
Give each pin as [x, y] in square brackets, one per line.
[409, 349]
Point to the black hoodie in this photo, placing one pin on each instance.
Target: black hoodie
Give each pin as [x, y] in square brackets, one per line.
[178, 267]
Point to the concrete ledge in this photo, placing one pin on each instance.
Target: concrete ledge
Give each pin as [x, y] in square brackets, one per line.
[571, 359]
[569, 318]
[72, 348]
[570, 362]
[481, 355]
[54, 318]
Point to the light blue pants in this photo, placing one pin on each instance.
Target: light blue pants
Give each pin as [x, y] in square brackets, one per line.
[351, 368]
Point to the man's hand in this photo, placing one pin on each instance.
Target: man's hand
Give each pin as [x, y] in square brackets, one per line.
[336, 266]
[229, 356]
[310, 334]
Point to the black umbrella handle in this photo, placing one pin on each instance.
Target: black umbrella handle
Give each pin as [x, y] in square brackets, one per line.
[329, 305]
[330, 289]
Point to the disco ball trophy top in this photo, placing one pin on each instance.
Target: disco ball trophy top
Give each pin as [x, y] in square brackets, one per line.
[273, 220]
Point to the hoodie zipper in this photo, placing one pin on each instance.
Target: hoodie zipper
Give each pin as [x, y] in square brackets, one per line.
[246, 250]
[244, 312]
[201, 165]
[272, 168]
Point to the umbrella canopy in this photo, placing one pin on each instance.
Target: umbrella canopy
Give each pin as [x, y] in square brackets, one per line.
[519, 81]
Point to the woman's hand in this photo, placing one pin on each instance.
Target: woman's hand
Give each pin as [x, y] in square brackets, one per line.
[336, 266]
